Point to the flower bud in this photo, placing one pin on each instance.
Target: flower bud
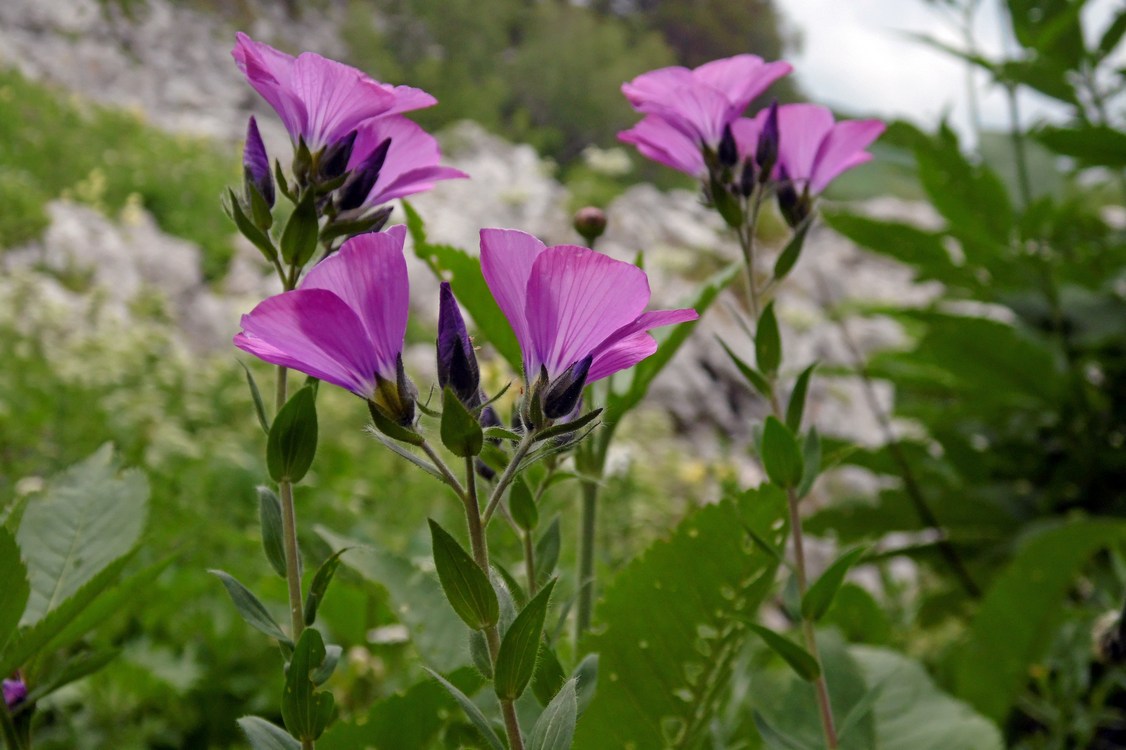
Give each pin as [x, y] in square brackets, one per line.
[795, 208]
[565, 393]
[362, 179]
[590, 223]
[457, 363]
[766, 154]
[334, 159]
[256, 165]
[728, 152]
[747, 178]
[15, 692]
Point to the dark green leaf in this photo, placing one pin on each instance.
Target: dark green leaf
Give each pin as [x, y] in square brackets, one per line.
[299, 238]
[752, 376]
[471, 711]
[499, 433]
[1113, 35]
[461, 432]
[394, 430]
[788, 258]
[547, 550]
[75, 668]
[796, 407]
[306, 710]
[263, 735]
[319, 586]
[922, 250]
[819, 597]
[270, 519]
[800, 660]
[256, 397]
[292, 443]
[522, 505]
[332, 657]
[555, 728]
[516, 659]
[1092, 145]
[566, 428]
[781, 456]
[250, 608]
[246, 227]
[549, 676]
[768, 343]
[14, 589]
[467, 587]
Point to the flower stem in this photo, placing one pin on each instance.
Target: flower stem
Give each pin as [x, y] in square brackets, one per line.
[289, 534]
[585, 607]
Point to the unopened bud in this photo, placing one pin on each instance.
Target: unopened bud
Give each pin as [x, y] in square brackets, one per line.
[747, 178]
[562, 397]
[15, 692]
[728, 152]
[334, 159]
[795, 208]
[362, 179]
[590, 223]
[766, 153]
[256, 165]
[457, 363]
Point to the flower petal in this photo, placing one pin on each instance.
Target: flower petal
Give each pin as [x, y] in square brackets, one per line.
[369, 273]
[741, 78]
[337, 97]
[700, 112]
[656, 85]
[656, 139]
[408, 98]
[412, 159]
[576, 299]
[801, 128]
[843, 149]
[315, 332]
[507, 256]
[619, 350]
[270, 72]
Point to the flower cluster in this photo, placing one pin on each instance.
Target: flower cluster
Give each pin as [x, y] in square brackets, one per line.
[694, 122]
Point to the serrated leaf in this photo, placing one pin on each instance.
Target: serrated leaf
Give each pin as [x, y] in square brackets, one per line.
[306, 710]
[555, 728]
[796, 408]
[516, 659]
[819, 597]
[460, 430]
[475, 716]
[14, 588]
[768, 342]
[319, 587]
[263, 735]
[256, 397]
[299, 237]
[250, 608]
[800, 660]
[466, 586]
[780, 454]
[292, 443]
[270, 521]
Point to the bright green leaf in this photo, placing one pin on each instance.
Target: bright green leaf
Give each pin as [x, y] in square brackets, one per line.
[796, 408]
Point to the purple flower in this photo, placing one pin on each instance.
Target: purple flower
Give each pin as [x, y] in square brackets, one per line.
[699, 104]
[345, 323]
[15, 692]
[318, 99]
[256, 165]
[409, 166]
[567, 304]
[813, 150]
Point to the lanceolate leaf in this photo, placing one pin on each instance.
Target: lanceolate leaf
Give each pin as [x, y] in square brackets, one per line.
[467, 586]
[263, 735]
[292, 442]
[250, 608]
[768, 342]
[306, 710]
[319, 587]
[471, 711]
[556, 726]
[800, 660]
[270, 520]
[819, 597]
[796, 407]
[14, 589]
[299, 238]
[461, 432]
[781, 456]
[516, 659]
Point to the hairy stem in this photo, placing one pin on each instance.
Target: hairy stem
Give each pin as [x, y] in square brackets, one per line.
[509, 474]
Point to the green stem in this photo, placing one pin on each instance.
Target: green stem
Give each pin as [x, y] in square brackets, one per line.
[509, 474]
[289, 533]
[447, 475]
[11, 737]
[584, 609]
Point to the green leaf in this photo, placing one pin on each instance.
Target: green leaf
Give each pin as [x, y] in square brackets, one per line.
[246, 227]
[796, 408]
[467, 587]
[75, 668]
[781, 456]
[547, 550]
[306, 710]
[1017, 618]
[555, 728]
[522, 505]
[516, 659]
[752, 376]
[292, 443]
[768, 343]
[250, 608]
[811, 461]
[89, 516]
[319, 586]
[1112, 35]
[299, 238]
[463, 271]
[471, 711]
[263, 735]
[256, 397]
[270, 519]
[394, 430]
[586, 678]
[774, 739]
[922, 250]
[1092, 145]
[566, 428]
[549, 676]
[788, 258]
[14, 589]
[820, 595]
[671, 629]
[800, 660]
[461, 432]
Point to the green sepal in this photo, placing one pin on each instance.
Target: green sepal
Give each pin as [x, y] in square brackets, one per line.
[282, 183]
[299, 238]
[781, 456]
[788, 258]
[768, 342]
[516, 659]
[566, 428]
[522, 506]
[305, 710]
[321, 579]
[796, 408]
[246, 227]
[273, 538]
[466, 586]
[259, 210]
[391, 428]
[820, 595]
[752, 376]
[256, 397]
[800, 660]
[555, 729]
[292, 442]
[460, 431]
[250, 608]
[727, 205]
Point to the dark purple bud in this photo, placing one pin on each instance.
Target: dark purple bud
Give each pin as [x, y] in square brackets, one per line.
[256, 165]
[747, 178]
[766, 154]
[590, 223]
[566, 391]
[728, 152]
[457, 364]
[15, 692]
[357, 187]
[794, 207]
[335, 158]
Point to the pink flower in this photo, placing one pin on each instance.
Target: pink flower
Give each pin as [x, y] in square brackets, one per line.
[571, 307]
[345, 323]
[318, 99]
[699, 104]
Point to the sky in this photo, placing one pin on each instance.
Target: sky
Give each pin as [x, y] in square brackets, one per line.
[855, 56]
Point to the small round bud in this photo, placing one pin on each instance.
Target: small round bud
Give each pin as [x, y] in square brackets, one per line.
[590, 223]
